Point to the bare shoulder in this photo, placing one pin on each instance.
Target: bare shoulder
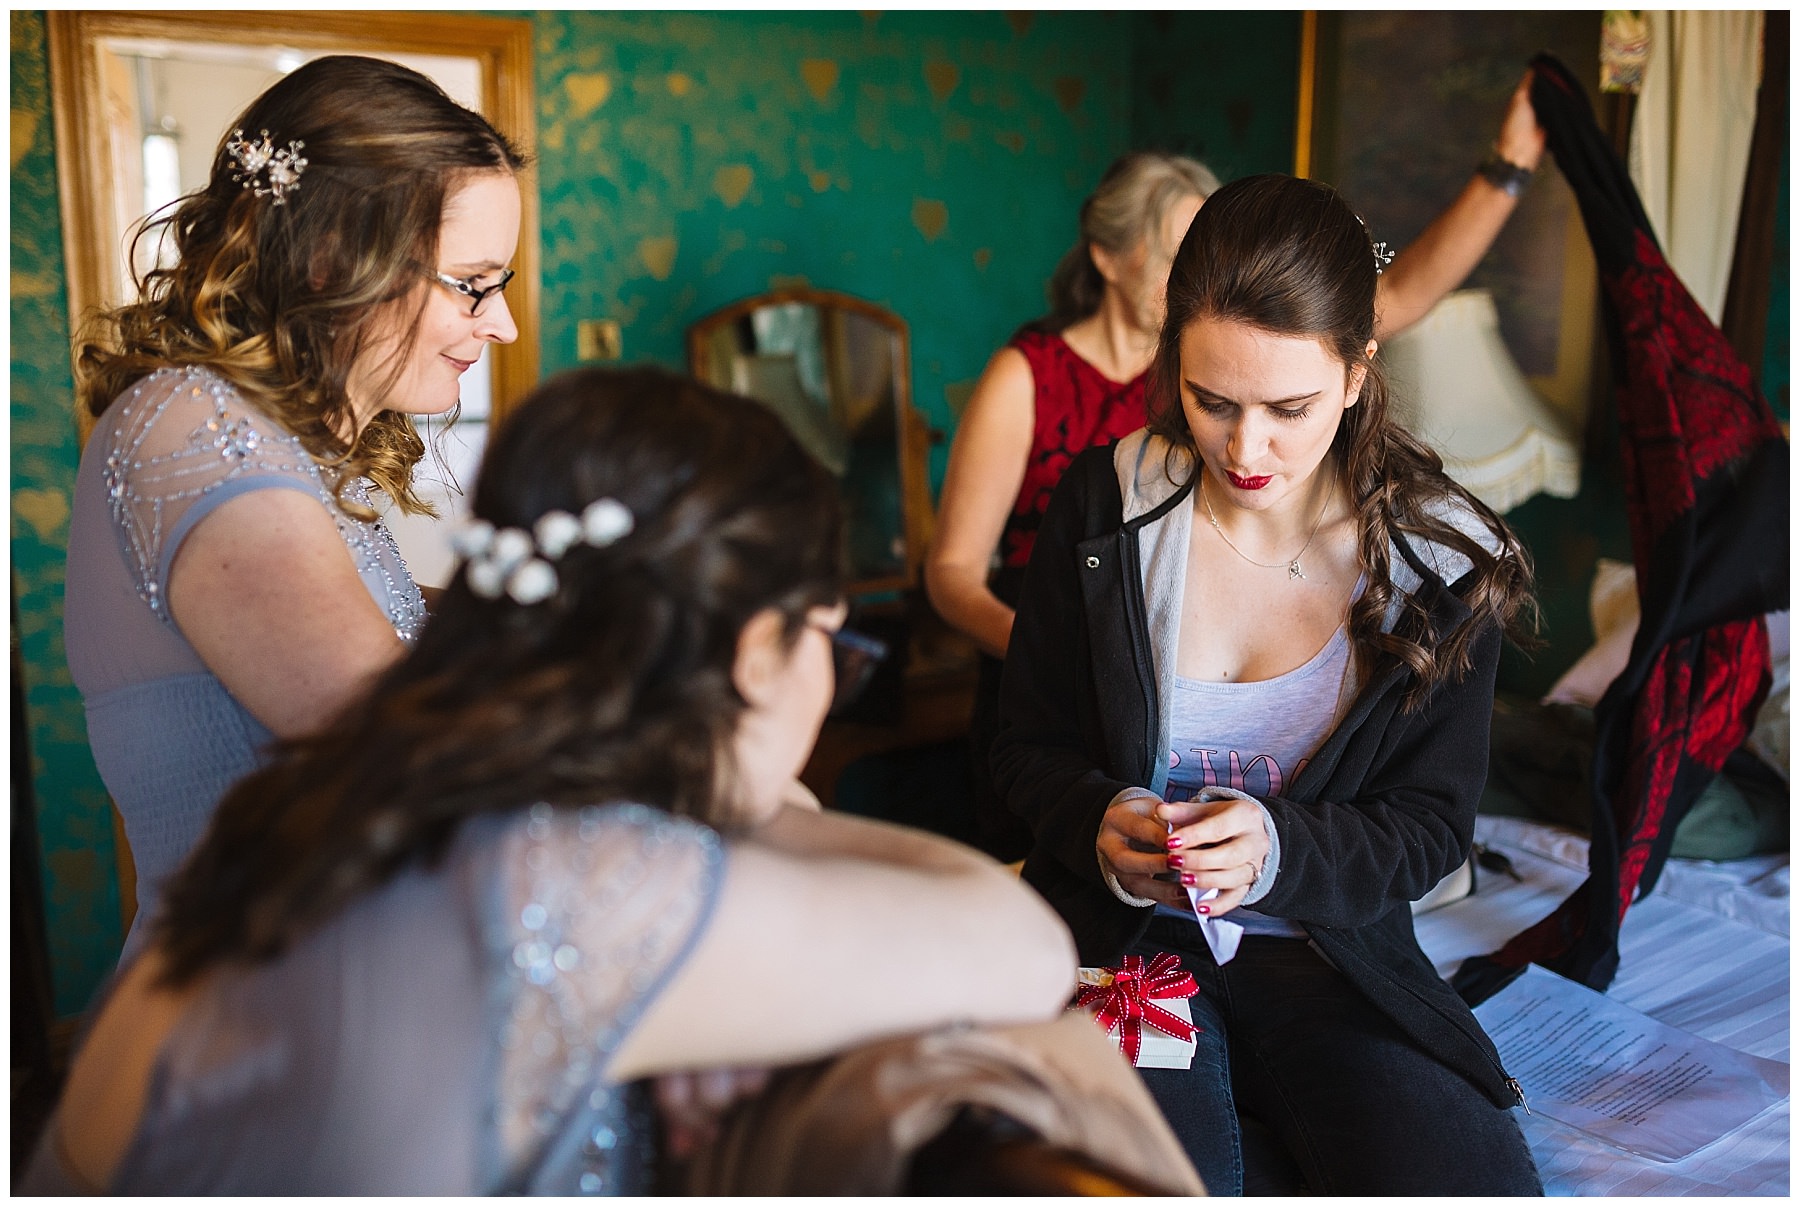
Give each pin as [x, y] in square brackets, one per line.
[1006, 389]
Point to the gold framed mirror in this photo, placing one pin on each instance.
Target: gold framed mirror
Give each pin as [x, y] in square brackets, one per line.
[837, 370]
[114, 160]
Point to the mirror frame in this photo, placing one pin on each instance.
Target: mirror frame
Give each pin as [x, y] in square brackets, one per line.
[509, 99]
[912, 436]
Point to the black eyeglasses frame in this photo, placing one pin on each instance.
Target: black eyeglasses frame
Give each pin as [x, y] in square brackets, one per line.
[854, 657]
[477, 295]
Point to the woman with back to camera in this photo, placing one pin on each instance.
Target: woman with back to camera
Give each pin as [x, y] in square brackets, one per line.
[229, 581]
[553, 851]
[1254, 660]
[1076, 379]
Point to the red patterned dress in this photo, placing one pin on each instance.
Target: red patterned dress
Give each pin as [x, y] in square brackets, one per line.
[1076, 409]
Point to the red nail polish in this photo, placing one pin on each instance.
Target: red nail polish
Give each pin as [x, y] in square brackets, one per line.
[1174, 861]
[1205, 909]
[1188, 878]
[1174, 842]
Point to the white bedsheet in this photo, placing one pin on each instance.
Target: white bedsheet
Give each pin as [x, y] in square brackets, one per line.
[1707, 952]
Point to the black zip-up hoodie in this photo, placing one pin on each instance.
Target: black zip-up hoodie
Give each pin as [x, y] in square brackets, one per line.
[1384, 810]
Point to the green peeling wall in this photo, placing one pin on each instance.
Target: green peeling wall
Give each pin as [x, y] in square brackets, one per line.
[930, 162]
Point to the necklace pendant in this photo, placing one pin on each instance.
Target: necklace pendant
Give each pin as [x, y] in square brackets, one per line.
[1294, 569]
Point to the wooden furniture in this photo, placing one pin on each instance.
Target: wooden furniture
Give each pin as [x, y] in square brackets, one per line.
[836, 368]
[935, 694]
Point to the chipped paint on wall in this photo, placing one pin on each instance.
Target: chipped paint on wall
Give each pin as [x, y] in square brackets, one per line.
[930, 217]
[732, 182]
[821, 76]
[941, 78]
[587, 91]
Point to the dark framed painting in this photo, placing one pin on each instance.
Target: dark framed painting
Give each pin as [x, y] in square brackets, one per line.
[1399, 107]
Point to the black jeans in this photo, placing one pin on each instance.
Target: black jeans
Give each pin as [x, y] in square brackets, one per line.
[1359, 1108]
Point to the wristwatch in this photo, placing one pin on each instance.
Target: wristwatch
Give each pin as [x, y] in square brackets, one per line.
[1504, 174]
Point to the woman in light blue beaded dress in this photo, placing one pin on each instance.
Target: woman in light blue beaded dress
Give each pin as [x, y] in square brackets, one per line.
[557, 849]
[229, 580]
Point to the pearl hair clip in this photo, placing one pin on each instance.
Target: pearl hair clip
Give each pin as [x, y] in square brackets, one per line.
[519, 564]
[255, 159]
[1383, 257]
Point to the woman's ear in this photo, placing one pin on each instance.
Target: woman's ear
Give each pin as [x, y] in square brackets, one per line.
[1105, 263]
[1358, 375]
[762, 656]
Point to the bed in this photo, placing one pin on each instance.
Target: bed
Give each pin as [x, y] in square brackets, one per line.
[1706, 951]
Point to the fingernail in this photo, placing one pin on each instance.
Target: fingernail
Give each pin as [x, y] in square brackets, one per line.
[1205, 909]
[1188, 878]
[1174, 842]
[1174, 861]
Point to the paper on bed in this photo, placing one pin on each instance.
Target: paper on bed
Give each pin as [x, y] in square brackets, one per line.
[1621, 1076]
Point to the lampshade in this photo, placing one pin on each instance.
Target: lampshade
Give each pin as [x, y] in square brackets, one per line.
[1456, 387]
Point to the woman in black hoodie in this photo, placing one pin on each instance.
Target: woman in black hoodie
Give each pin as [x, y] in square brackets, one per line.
[1245, 712]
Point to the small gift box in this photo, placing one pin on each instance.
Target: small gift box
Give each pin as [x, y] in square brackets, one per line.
[1143, 1005]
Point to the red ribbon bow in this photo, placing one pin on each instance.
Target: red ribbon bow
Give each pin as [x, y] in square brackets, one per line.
[1128, 1002]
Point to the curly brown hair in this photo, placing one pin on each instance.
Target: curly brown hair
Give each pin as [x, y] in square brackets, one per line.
[1290, 257]
[617, 687]
[282, 300]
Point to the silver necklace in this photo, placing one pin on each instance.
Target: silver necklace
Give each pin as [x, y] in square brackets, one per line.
[1293, 567]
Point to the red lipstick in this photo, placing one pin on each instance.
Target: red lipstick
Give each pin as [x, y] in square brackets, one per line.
[1247, 483]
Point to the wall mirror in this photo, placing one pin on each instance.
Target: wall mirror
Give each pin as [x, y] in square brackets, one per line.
[836, 369]
[141, 100]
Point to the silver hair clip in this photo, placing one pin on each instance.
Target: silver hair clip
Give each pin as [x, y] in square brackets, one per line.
[1383, 257]
[254, 159]
[519, 564]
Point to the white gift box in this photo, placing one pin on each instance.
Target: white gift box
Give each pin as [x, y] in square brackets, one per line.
[1156, 1049]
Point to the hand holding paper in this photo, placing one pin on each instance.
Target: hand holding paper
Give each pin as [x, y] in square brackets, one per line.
[1221, 934]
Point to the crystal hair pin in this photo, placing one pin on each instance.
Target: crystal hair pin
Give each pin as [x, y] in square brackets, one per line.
[279, 171]
[520, 564]
[1383, 257]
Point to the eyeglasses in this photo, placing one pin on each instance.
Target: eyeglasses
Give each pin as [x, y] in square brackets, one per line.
[477, 294]
[854, 657]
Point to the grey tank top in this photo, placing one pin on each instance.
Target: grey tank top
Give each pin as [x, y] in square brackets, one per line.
[167, 737]
[1256, 737]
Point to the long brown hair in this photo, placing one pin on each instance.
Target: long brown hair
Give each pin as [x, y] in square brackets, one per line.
[616, 687]
[1290, 257]
[1129, 206]
[281, 300]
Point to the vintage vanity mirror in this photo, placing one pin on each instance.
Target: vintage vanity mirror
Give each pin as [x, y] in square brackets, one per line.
[835, 368]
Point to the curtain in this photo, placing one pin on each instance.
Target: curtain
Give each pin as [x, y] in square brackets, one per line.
[1690, 140]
